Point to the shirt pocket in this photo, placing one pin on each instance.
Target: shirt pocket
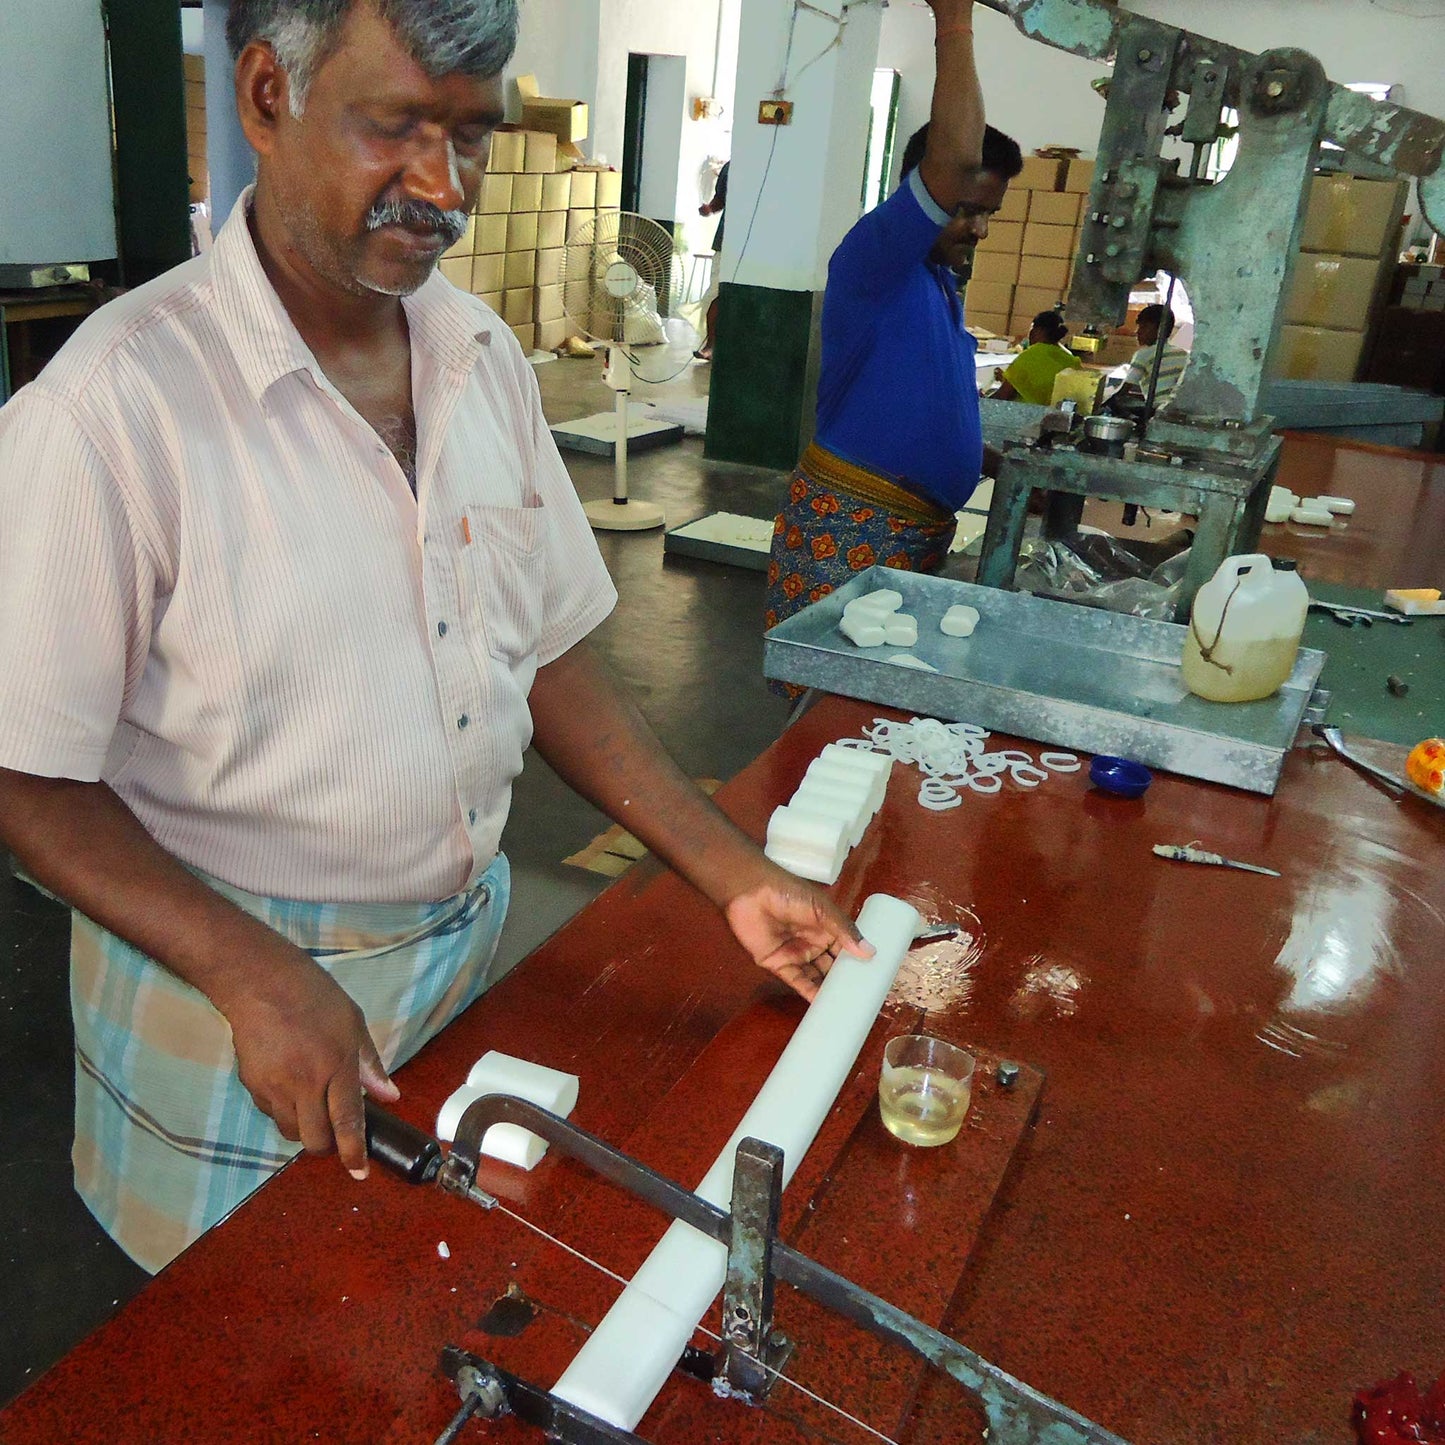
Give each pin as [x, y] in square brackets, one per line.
[501, 576]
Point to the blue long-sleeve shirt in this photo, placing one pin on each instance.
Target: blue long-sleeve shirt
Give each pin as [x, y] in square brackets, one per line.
[898, 388]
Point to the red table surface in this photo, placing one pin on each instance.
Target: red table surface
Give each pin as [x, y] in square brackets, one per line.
[1226, 1217]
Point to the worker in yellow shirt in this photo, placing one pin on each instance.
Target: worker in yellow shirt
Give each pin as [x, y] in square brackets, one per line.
[1031, 377]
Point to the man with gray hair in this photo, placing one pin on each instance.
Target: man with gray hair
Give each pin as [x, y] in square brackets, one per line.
[290, 575]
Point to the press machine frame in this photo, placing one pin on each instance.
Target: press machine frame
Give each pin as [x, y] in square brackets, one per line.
[1210, 450]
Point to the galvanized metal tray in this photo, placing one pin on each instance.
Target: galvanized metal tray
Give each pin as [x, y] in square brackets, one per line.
[1056, 672]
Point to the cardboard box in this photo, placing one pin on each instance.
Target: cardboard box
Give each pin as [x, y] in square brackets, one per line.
[517, 306]
[488, 274]
[1020, 323]
[548, 304]
[556, 192]
[1056, 242]
[526, 334]
[994, 321]
[1079, 176]
[489, 235]
[551, 230]
[1041, 174]
[609, 190]
[508, 152]
[564, 119]
[1050, 272]
[1317, 353]
[540, 157]
[1003, 236]
[1349, 216]
[495, 196]
[584, 191]
[1033, 299]
[519, 268]
[986, 296]
[522, 231]
[551, 334]
[1055, 208]
[1015, 204]
[194, 67]
[526, 193]
[457, 270]
[468, 242]
[576, 219]
[576, 297]
[999, 266]
[549, 266]
[492, 299]
[1332, 291]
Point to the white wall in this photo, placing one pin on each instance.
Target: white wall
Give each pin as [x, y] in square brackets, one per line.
[558, 43]
[1038, 95]
[662, 138]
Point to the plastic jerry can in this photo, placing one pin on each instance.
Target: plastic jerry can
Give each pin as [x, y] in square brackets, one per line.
[1245, 629]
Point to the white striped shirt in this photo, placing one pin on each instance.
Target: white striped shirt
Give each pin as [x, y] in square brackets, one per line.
[219, 595]
[1171, 370]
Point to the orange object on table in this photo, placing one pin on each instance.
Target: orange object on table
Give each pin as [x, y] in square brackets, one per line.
[1425, 767]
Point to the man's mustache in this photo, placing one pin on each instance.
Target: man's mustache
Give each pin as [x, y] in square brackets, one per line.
[418, 216]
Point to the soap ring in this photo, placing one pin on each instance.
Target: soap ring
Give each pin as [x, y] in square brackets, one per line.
[1019, 770]
[1060, 762]
[988, 783]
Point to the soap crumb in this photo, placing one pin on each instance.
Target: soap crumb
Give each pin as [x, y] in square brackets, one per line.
[444, 1249]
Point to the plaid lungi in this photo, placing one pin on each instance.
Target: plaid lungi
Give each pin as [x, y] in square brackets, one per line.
[839, 520]
[167, 1139]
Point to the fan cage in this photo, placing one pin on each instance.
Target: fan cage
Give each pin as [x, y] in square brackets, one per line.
[620, 277]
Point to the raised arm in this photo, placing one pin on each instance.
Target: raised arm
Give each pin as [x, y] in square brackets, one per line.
[956, 125]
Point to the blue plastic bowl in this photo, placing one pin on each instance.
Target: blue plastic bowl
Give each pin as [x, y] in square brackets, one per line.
[1119, 776]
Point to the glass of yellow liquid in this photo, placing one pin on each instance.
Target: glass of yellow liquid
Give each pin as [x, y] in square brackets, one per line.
[924, 1089]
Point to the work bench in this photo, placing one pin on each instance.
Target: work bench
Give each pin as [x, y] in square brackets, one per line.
[1222, 1220]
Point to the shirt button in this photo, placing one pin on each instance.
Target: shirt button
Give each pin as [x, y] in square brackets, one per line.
[441, 629]
[471, 815]
[463, 720]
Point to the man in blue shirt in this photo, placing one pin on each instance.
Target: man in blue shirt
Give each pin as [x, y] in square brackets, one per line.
[899, 445]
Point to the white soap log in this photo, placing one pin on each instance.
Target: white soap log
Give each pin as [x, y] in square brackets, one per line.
[808, 844]
[498, 1073]
[1311, 517]
[901, 630]
[829, 770]
[863, 631]
[1340, 506]
[959, 621]
[628, 1357]
[879, 766]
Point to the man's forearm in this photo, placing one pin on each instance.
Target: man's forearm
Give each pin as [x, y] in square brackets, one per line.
[956, 123]
[81, 841]
[595, 738]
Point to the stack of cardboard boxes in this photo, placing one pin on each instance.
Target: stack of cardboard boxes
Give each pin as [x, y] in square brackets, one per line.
[1348, 252]
[1027, 261]
[196, 163]
[532, 202]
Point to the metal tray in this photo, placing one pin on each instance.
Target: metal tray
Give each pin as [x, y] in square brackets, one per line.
[1056, 672]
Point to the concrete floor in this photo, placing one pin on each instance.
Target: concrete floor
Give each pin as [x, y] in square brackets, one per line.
[686, 637]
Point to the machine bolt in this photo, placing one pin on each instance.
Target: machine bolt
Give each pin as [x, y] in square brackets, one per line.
[1145, 56]
[1008, 1073]
[1120, 222]
[1113, 249]
[1274, 89]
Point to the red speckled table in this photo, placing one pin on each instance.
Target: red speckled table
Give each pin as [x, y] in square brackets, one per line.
[1225, 1217]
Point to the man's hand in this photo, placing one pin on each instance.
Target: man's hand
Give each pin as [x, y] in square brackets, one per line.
[304, 1052]
[793, 930]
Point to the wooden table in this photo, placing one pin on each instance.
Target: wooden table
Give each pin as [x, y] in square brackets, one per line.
[1225, 1219]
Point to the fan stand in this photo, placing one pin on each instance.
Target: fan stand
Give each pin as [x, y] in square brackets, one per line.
[621, 513]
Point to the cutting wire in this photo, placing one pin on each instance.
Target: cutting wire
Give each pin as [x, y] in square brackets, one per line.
[702, 1328]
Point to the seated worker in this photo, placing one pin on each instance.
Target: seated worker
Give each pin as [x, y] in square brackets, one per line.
[1156, 326]
[899, 444]
[303, 577]
[1031, 377]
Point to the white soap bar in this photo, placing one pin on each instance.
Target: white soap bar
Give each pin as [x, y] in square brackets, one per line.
[851, 810]
[498, 1073]
[862, 631]
[808, 844]
[901, 630]
[628, 1357]
[1340, 506]
[959, 621]
[1278, 510]
[1311, 517]
[884, 599]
